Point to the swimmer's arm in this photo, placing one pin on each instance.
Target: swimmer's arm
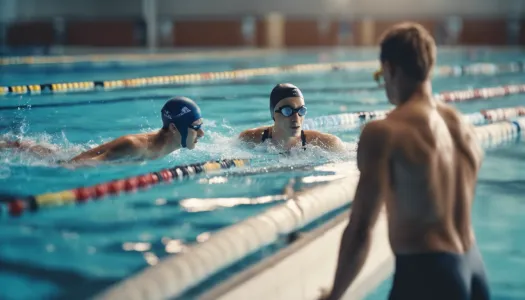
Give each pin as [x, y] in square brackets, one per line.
[118, 149]
[356, 238]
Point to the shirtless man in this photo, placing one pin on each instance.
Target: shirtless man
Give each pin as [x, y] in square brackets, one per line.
[422, 161]
[182, 122]
[287, 109]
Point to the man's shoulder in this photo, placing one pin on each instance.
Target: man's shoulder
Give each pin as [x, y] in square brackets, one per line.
[379, 133]
[375, 142]
[448, 112]
[132, 140]
[379, 128]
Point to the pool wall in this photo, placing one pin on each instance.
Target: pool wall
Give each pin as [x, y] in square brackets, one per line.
[234, 23]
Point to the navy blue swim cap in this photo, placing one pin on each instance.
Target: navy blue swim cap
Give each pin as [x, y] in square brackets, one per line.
[282, 91]
[181, 112]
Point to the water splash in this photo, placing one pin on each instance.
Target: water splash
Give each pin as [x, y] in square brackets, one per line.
[42, 149]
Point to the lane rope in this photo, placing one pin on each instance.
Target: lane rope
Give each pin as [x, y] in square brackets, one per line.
[112, 85]
[154, 81]
[130, 58]
[358, 118]
[16, 205]
[450, 96]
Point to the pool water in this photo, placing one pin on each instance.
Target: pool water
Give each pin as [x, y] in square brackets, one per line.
[75, 251]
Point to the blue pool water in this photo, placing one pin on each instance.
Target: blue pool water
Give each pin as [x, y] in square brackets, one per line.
[73, 252]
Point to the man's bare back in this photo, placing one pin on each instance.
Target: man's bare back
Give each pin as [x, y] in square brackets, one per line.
[422, 163]
[434, 161]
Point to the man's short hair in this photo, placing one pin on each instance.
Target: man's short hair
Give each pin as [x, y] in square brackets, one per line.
[409, 46]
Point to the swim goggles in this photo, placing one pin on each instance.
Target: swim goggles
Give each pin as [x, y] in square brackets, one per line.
[288, 110]
[377, 75]
[195, 127]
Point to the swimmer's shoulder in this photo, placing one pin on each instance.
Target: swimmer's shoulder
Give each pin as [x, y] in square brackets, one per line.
[253, 135]
[314, 136]
[121, 146]
[324, 140]
[129, 141]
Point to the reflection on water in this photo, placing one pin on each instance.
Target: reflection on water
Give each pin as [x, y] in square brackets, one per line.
[207, 204]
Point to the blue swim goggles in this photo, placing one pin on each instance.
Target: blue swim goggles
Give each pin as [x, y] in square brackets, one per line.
[288, 110]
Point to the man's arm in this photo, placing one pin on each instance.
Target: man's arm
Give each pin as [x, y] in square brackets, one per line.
[120, 148]
[475, 145]
[372, 161]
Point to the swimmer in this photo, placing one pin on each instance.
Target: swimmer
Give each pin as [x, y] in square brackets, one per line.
[287, 109]
[422, 162]
[181, 127]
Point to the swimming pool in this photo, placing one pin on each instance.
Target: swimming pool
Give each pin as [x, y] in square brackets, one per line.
[76, 251]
